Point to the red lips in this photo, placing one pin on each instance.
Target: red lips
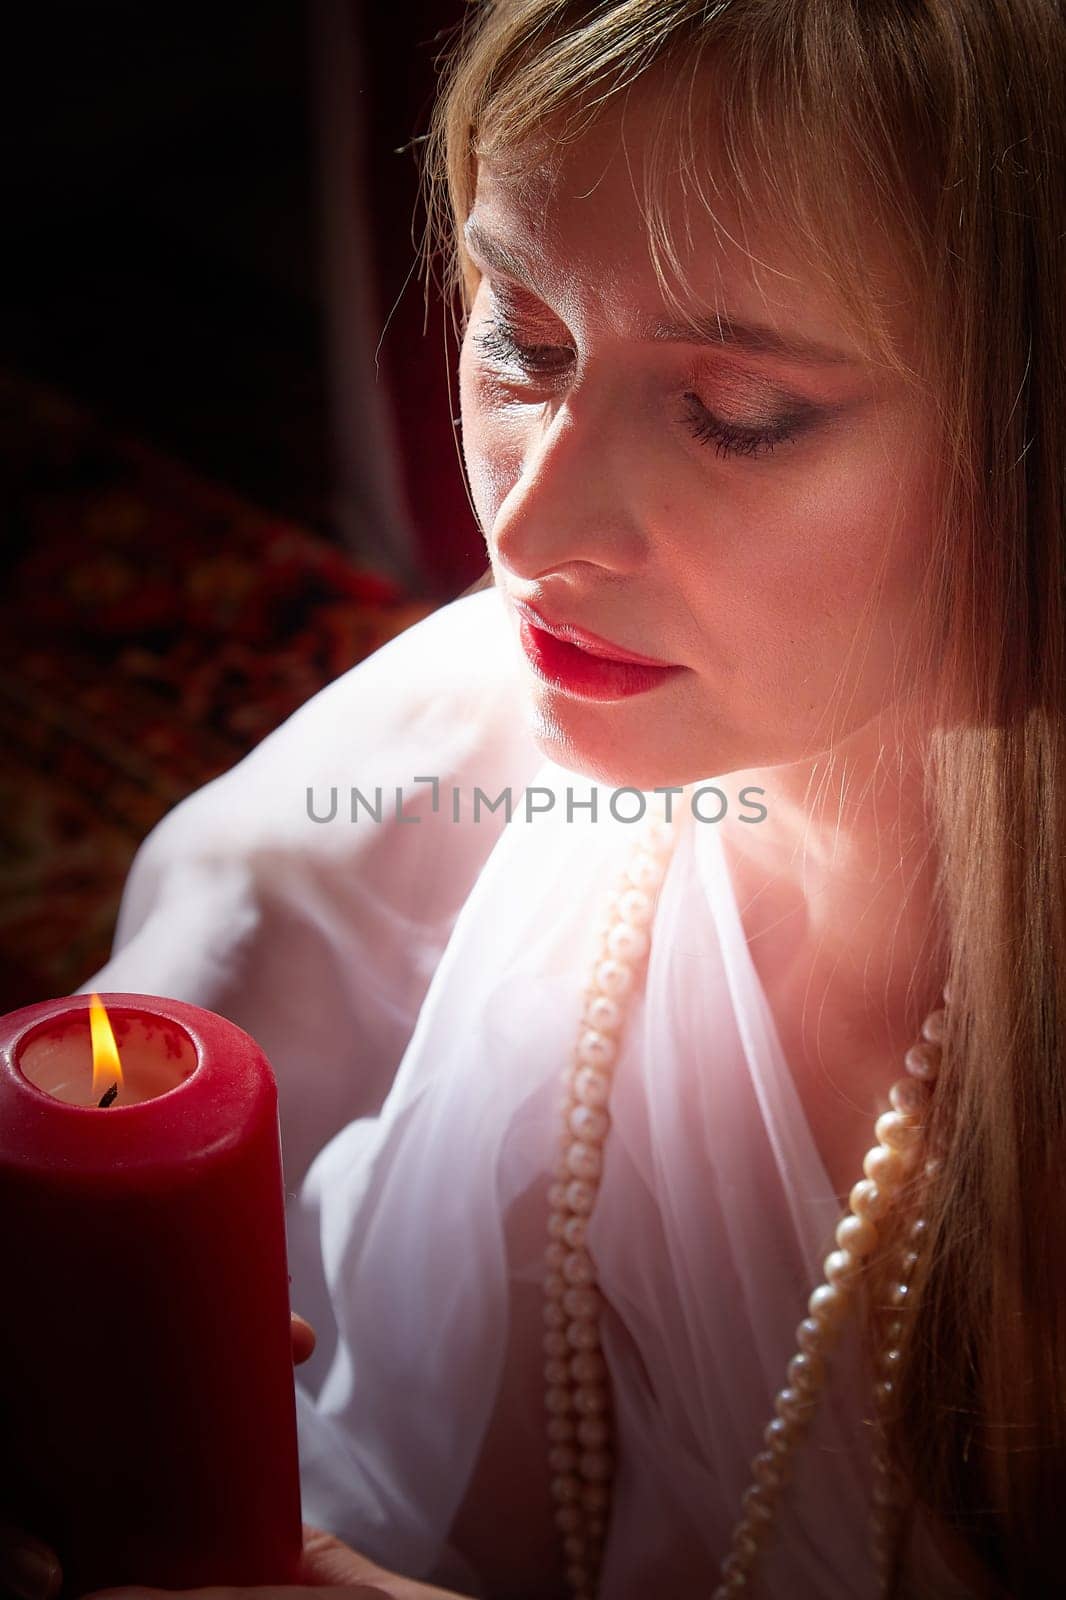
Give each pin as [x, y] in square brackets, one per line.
[576, 662]
[584, 640]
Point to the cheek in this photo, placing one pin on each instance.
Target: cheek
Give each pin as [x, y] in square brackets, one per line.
[810, 582]
[492, 446]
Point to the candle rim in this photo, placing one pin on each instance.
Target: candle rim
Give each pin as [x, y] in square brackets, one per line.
[119, 1007]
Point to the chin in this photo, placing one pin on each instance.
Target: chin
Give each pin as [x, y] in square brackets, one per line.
[616, 763]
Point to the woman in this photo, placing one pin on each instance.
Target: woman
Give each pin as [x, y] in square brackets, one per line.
[761, 383]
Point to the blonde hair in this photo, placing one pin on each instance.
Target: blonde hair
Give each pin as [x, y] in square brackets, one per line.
[942, 122]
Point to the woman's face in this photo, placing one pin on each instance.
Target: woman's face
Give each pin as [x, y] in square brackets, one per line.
[723, 506]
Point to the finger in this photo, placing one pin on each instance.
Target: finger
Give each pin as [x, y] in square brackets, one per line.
[327, 1560]
[28, 1568]
[303, 1338]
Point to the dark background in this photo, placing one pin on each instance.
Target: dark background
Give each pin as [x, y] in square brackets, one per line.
[178, 188]
[227, 455]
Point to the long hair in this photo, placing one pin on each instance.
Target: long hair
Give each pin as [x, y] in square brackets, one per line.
[942, 123]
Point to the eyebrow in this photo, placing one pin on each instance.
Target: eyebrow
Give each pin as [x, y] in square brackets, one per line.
[718, 328]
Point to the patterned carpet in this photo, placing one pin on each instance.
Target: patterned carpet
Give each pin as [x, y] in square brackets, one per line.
[153, 628]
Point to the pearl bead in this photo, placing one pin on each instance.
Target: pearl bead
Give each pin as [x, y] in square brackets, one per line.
[589, 1125]
[645, 871]
[910, 1097]
[575, 1230]
[733, 1566]
[596, 1465]
[560, 1429]
[811, 1335]
[563, 1458]
[581, 1334]
[593, 1432]
[555, 1254]
[758, 1503]
[856, 1234]
[933, 1026]
[588, 1366]
[595, 1496]
[557, 1399]
[635, 908]
[655, 835]
[595, 1049]
[557, 1196]
[627, 944]
[884, 1494]
[768, 1469]
[840, 1266]
[919, 1229]
[566, 1487]
[577, 1575]
[614, 977]
[580, 1196]
[556, 1372]
[884, 1167]
[557, 1225]
[554, 1285]
[568, 1517]
[806, 1372]
[554, 1342]
[828, 1304]
[592, 1088]
[779, 1434]
[553, 1314]
[884, 1391]
[574, 1546]
[746, 1542]
[889, 1361]
[897, 1295]
[603, 1014]
[867, 1200]
[581, 1302]
[923, 1061]
[791, 1406]
[896, 1131]
[578, 1267]
[585, 1160]
[590, 1399]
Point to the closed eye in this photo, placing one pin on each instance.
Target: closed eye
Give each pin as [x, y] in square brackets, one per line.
[498, 343]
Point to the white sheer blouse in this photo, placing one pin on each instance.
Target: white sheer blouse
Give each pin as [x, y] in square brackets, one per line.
[417, 986]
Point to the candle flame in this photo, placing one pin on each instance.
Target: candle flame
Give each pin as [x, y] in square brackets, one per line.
[107, 1068]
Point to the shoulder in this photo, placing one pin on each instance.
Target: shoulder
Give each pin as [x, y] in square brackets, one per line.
[443, 700]
[438, 709]
[320, 939]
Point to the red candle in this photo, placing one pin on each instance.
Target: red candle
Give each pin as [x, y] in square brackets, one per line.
[147, 1404]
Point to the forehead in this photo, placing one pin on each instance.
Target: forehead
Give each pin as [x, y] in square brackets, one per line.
[574, 214]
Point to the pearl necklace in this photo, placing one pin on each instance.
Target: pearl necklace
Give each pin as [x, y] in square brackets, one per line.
[576, 1397]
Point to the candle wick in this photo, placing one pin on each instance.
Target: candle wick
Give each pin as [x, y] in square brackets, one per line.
[107, 1099]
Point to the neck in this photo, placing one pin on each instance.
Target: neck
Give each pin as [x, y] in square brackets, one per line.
[835, 892]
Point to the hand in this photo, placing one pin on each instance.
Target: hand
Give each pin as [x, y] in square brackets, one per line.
[329, 1570]
[303, 1339]
[29, 1570]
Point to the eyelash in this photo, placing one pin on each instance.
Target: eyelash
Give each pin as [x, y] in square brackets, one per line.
[499, 344]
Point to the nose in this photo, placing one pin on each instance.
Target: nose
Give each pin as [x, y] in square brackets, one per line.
[572, 502]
